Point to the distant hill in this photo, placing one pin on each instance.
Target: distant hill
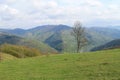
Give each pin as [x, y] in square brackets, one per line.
[115, 27]
[55, 41]
[15, 40]
[108, 32]
[110, 45]
[59, 36]
[17, 31]
[46, 31]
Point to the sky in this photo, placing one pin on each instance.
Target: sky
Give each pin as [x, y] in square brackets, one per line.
[30, 13]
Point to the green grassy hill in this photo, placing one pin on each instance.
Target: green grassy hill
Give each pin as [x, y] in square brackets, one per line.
[103, 65]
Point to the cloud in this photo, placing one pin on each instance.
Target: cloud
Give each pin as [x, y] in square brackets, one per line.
[17, 13]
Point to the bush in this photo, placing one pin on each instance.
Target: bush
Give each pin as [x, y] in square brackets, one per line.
[19, 51]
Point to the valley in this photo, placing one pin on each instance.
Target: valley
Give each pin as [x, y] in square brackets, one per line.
[58, 37]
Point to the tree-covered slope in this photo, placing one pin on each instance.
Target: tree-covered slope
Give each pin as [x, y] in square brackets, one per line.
[59, 36]
[15, 40]
[49, 34]
[110, 45]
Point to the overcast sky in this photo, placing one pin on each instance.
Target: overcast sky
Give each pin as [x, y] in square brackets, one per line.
[31, 13]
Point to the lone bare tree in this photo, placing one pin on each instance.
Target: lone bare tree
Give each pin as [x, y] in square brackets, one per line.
[78, 31]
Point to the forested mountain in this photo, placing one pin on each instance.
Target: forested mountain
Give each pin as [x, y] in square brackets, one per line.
[16, 40]
[110, 45]
[59, 36]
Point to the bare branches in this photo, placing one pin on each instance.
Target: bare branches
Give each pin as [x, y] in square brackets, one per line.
[78, 31]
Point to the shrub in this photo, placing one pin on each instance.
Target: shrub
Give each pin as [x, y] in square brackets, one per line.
[19, 51]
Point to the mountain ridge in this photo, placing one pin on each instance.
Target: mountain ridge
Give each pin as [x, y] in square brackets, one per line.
[59, 36]
[16, 40]
[110, 45]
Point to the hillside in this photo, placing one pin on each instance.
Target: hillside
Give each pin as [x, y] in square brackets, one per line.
[109, 32]
[17, 31]
[49, 34]
[110, 45]
[103, 65]
[16, 40]
[59, 36]
[4, 56]
[19, 51]
[94, 39]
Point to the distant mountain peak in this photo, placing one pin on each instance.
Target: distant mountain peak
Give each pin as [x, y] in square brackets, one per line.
[51, 27]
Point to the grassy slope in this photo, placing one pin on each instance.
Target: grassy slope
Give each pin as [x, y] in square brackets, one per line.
[19, 51]
[5, 56]
[102, 65]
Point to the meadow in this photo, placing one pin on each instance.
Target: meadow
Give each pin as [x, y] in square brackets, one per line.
[100, 65]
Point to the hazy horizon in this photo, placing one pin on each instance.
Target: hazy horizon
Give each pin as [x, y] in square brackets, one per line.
[27, 14]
